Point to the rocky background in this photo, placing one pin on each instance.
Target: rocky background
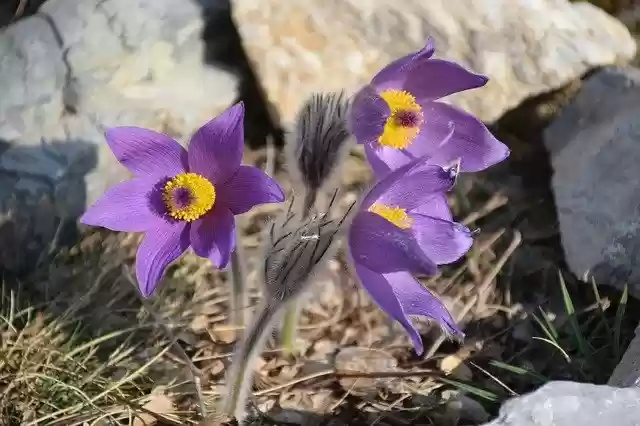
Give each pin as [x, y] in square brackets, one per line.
[560, 215]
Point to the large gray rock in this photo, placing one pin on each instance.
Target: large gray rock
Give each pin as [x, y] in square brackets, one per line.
[526, 47]
[572, 404]
[79, 66]
[595, 150]
[627, 372]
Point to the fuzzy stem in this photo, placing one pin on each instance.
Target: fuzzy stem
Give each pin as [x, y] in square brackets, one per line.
[196, 374]
[238, 289]
[290, 330]
[240, 374]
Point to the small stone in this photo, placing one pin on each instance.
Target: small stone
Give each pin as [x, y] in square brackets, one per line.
[364, 360]
[456, 367]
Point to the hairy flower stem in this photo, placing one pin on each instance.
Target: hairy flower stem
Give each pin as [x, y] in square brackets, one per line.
[238, 289]
[240, 375]
[196, 374]
[289, 330]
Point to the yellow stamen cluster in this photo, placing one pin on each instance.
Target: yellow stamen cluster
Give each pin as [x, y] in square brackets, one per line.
[201, 196]
[399, 133]
[395, 215]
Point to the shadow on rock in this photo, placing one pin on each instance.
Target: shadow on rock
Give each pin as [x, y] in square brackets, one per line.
[42, 195]
[224, 50]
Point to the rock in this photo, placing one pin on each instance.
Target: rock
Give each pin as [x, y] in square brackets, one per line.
[594, 148]
[526, 47]
[627, 372]
[76, 67]
[568, 403]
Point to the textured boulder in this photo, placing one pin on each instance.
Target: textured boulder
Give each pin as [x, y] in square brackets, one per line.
[76, 67]
[526, 47]
[569, 403]
[594, 145]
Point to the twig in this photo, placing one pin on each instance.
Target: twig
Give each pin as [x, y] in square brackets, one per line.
[346, 374]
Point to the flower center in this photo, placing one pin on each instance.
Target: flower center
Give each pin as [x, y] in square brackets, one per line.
[188, 196]
[395, 215]
[403, 125]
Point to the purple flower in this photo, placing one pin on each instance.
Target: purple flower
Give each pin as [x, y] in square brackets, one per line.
[404, 227]
[181, 198]
[398, 119]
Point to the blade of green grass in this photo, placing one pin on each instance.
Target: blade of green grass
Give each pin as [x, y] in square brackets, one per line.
[518, 370]
[583, 346]
[551, 335]
[555, 345]
[603, 318]
[489, 396]
[617, 327]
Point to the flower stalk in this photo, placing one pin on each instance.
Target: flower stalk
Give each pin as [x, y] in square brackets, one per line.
[238, 289]
[316, 150]
[295, 249]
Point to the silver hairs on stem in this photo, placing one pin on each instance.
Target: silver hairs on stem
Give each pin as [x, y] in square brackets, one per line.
[296, 247]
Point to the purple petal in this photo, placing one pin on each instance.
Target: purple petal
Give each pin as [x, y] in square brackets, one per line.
[216, 149]
[384, 159]
[145, 152]
[400, 295]
[158, 249]
[472, 143]
[410, 186]
[394, 74]
[247, 188]
[442, 241]
[436, 78]
[125, 207]
[383, 247]
[368, 115]
[214, 236]
[435, 206]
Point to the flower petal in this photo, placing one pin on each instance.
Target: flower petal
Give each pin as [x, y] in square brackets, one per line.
[125, 207]
[394, 74]
[436, 206]
[145, 152]
[410, 186]
[216, 149]
[214, 236]
[442, 241]
[384, 159]
[436, 78]
[472, 143]
[158, 249]
[383, 247]
[399, 294]
[248, 187]
[368, 115]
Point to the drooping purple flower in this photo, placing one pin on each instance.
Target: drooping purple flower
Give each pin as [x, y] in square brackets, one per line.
[398, 119]
[181, 198]
[404, 227]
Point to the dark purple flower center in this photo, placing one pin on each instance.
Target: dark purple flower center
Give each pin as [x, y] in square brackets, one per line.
[182, 197]
[405, 118]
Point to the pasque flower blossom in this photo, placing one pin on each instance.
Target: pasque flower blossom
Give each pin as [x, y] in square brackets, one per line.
[398, 117]
[181, 198]
[404, 227]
